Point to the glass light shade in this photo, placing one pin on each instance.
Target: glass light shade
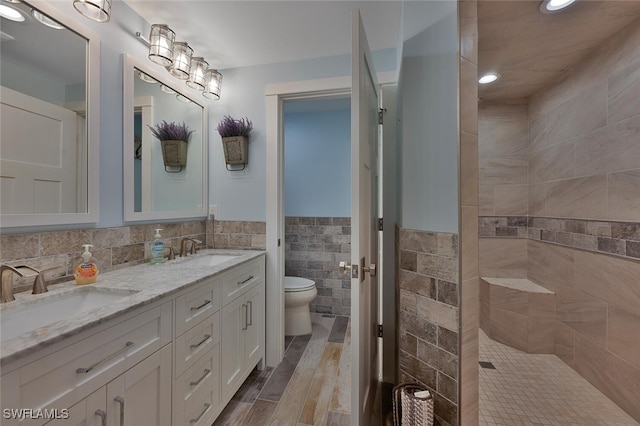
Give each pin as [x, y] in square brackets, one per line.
[213, 84]
[183, 98]
[167, 89]
[146, 78]
[181, 60]
[45, 20]
[161, 41]
[96, 10]
[8, 12]
[197, 71]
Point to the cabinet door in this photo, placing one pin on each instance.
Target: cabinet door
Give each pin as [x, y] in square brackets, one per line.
[142, 395]
[254, 333]
[89, 412]
[232, 324]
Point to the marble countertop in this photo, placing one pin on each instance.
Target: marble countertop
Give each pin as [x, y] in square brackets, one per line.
[147, 283]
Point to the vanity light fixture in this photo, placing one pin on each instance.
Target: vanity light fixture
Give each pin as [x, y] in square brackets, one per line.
[181, 60]
[552, 6]
[197, 70]
[212, 85]
[489, 78]
[160, 42]
[11, 14]
[96, 10]
[45, 20]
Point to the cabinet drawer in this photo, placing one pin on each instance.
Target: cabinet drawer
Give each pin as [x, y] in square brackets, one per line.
[196, 342]
[196, 305]
[64, 377]
[238, 281]
[197, 391]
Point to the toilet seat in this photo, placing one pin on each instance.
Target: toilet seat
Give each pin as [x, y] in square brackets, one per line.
[298, 284]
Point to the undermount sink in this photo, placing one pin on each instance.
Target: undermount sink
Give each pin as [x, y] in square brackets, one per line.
[19, 317]
[211, 259]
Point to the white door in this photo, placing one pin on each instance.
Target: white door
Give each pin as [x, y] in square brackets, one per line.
[38, 155]
[364, 146]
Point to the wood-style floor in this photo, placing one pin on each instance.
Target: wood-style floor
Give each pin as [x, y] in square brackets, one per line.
[311, 386]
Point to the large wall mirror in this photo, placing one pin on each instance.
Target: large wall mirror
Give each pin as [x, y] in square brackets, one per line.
[49, 90]
[154, 190]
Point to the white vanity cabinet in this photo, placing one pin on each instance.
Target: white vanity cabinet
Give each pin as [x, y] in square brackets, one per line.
[242, 318]
[125, 359]
[177, 360]
[196, 385]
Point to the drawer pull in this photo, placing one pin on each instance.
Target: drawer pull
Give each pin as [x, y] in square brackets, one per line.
[250, 309]
[245, 281]
[197, 308]
[103, 415]
[206, 408]
[206, 373]
[197, 345]
[84, 370]
[120, 400]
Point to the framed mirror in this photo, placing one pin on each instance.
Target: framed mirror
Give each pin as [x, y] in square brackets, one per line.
[49, 100]
[155, 188]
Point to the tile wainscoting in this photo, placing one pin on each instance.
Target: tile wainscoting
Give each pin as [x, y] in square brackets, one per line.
[58, 252]
[429, 316]
[314, 246]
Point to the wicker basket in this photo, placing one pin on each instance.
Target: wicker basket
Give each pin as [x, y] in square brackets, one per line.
[409, 409]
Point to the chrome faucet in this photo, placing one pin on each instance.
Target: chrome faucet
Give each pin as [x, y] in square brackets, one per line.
[6, 287]
[183, 246]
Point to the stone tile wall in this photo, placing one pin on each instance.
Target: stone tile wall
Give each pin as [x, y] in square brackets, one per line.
[314, 246]
[429, 314]
[58, 252]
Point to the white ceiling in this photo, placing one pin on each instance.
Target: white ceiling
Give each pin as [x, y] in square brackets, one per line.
[241, 33]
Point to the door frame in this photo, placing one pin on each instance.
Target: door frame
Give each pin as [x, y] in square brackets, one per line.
[276, 94]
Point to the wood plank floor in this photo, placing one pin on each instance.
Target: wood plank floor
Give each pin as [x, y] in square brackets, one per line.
[311, 386]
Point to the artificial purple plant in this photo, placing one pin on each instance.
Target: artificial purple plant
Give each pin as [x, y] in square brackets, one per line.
[171, 131]
[229, 126]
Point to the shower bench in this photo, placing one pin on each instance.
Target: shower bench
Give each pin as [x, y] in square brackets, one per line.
[519, 313]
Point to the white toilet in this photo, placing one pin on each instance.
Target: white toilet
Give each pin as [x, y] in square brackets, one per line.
[298, 293]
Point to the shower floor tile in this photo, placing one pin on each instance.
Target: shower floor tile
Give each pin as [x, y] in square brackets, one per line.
[532, 389]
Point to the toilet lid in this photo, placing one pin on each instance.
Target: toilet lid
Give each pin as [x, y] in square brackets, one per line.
[298, 284]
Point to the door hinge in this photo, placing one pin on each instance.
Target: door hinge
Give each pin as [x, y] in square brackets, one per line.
[380, 224]
[381, 115]
[279, 243]
[380, 331]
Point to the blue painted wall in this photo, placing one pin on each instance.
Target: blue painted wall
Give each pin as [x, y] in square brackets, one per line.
[317, 176]
[428, 113]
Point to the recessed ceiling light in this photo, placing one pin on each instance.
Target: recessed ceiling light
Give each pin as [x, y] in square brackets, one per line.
[45, 20]
[489, 78]
[10, 13]
[551, 6]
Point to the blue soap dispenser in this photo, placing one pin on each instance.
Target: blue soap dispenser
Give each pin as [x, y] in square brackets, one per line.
[157, 249]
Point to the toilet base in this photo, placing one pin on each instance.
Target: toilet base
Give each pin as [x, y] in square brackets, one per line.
[297, 321]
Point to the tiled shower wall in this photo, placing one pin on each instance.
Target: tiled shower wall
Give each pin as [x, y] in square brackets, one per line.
[429, 316]
[58, 252]
[314, 246]
[560, 192]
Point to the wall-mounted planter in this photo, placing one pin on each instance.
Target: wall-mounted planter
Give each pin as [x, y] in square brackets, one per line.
[236, 150]
[174, 154]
